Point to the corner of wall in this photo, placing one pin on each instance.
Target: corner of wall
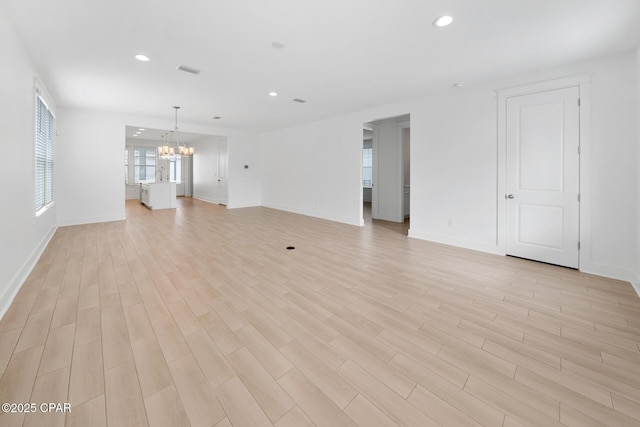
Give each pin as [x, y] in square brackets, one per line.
[635, 283]
[490, 248]
[6, 299]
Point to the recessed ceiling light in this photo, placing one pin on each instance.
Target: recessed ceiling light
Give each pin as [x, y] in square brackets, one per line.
[443, 21]
[273, 93]
[141, 129]
[277, 45]
[459, 84]
[141, 57]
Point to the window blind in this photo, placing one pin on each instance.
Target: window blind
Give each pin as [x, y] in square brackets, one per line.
[367, 167]
[44, 155]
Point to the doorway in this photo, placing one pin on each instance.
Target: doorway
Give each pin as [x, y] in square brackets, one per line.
[203, 176]
[542, 197]
[386, 170]
[367, 173]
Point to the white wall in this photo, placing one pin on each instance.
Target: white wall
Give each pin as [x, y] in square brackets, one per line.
[314, 168]
[243, 149]
[89, 167]
[206, 171]
[613, 168]
[242, 183]
[93, 191]
[23, 236]
[636, 282]
[454, 168]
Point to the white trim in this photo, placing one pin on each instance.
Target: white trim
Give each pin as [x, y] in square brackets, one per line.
[6, 299]
[400, 202]
[635, 283]
[543, 86]
[375, 174]
[403, 187]
[92, 220]
[455, 241]
[583, 82]
[615, 273]
[241, 205]
[208, 200]
[336, 218]
[44, 209]
[40, 90]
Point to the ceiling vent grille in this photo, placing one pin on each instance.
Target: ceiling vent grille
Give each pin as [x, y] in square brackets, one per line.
[188, 69]
[301, 101]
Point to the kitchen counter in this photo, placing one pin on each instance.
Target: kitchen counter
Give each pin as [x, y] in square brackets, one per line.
[160, 195]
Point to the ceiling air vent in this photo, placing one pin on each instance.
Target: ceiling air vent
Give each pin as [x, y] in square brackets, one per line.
[301, 101]
[188, 69]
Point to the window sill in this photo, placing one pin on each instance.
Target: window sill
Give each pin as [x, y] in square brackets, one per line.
[43, 210]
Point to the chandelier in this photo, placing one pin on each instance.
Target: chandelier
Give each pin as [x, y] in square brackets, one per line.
[168, 150]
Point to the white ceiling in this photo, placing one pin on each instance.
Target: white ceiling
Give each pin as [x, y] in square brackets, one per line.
[340, 56]
[157, 136]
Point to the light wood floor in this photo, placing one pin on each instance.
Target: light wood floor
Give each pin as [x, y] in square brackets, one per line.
[200, 316]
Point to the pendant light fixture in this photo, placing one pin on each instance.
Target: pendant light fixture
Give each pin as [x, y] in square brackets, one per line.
[168, 151]
[182, 149]
[164, 151]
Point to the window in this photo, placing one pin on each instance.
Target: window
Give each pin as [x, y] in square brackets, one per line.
[144, 164]
[43, 155]
[367, 167]
[175, 170]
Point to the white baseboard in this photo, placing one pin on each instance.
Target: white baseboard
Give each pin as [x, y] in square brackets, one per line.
[612, 272]
[20, 277]
[320, 215]
[595, 269]
[91, 220]
[227, 204]
[208, 200]
[242, 205]
[491, 248]
[635, 283]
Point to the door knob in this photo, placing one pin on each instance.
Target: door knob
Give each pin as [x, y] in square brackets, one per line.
[509, 196]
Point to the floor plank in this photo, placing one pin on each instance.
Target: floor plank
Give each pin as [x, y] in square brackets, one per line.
[200, 316]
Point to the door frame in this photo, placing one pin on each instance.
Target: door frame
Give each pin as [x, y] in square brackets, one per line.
[583, 82]
[375, 147]
[401, 127]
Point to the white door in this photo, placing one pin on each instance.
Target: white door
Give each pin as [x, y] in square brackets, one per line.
[222, 172]
[542, 206]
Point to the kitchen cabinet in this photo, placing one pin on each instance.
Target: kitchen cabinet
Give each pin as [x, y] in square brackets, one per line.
[158, 195]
